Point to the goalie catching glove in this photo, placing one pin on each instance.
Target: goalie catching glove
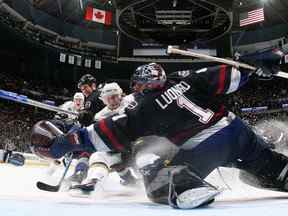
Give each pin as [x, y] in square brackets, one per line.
[48, 141]
[266, 62]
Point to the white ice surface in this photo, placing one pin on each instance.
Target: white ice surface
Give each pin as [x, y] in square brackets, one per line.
[20, 197]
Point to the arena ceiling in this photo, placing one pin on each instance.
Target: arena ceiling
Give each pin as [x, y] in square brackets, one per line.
[69, 10]
[164, 21]
[72, 10]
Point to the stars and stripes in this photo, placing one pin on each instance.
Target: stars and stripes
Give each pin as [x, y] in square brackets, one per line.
[251, 17]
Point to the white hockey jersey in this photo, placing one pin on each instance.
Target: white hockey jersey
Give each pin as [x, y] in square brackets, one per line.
[69, 105]
[106, 112]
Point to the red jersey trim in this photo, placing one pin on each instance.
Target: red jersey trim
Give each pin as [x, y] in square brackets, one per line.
[106, 130]
[222, 77]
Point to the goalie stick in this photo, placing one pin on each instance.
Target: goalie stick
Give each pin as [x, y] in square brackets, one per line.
[171, 50]
[55, 188]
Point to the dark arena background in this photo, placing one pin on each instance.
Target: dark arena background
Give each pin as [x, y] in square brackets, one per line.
[46, 46]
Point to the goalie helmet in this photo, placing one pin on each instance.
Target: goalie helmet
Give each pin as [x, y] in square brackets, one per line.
[42, 135]
[151, 75]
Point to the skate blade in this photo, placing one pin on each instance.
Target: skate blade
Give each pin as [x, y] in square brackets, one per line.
[79, 193]
[196, 197]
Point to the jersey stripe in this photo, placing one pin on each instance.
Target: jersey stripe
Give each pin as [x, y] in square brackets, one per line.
[222, 77]
[206, 133]
[235, 80]
[98, 143]
[106, 130]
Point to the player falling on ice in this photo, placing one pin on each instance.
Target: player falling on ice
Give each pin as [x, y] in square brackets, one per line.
[102, 163]
[67, 121]
[200, 134]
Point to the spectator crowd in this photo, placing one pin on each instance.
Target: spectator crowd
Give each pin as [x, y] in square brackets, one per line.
[16, 120]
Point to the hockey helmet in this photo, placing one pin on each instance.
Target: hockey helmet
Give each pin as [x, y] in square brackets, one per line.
[111, 95]
[78, 100]
[42, 136]
[110, 89]
[86, 79]
[78, 95]
[152, 75]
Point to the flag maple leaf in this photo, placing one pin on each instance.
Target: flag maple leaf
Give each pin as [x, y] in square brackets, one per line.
[99, 15]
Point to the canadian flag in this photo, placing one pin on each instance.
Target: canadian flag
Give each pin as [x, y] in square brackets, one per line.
[100, 16]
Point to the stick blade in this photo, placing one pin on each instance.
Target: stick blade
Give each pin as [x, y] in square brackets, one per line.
[46, 187]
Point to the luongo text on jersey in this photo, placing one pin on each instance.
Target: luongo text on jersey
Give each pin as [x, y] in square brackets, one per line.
[172, 94]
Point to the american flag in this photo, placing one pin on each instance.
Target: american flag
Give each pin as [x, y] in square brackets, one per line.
[251, 17]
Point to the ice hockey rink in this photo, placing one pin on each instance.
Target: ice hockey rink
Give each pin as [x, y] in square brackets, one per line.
[19, 196]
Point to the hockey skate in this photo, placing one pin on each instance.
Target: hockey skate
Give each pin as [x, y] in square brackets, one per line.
[83, 190]
[80, 173]
[128, 179]
[76, 178]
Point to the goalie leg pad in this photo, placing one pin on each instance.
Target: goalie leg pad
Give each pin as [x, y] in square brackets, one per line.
[269, 171]
[196, 197]
[188, 191]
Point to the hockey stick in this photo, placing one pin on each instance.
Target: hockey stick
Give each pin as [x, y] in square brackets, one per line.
[55, 188]
[171, 50]
[25, 100]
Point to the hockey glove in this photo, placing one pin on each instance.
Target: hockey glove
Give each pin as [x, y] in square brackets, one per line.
[85, 118]
[263, 73]
[267, 62]
[71, 142]
[16, 159]
[12, 158]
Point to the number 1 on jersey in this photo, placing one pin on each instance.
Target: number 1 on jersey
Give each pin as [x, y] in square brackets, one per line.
[204, 115]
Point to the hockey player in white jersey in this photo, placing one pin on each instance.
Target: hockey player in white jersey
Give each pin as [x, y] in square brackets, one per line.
[67, 120]
[74, 106]
[102, 163]
[112, 97]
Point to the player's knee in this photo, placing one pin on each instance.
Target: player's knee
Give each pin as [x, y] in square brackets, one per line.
[104, 158]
